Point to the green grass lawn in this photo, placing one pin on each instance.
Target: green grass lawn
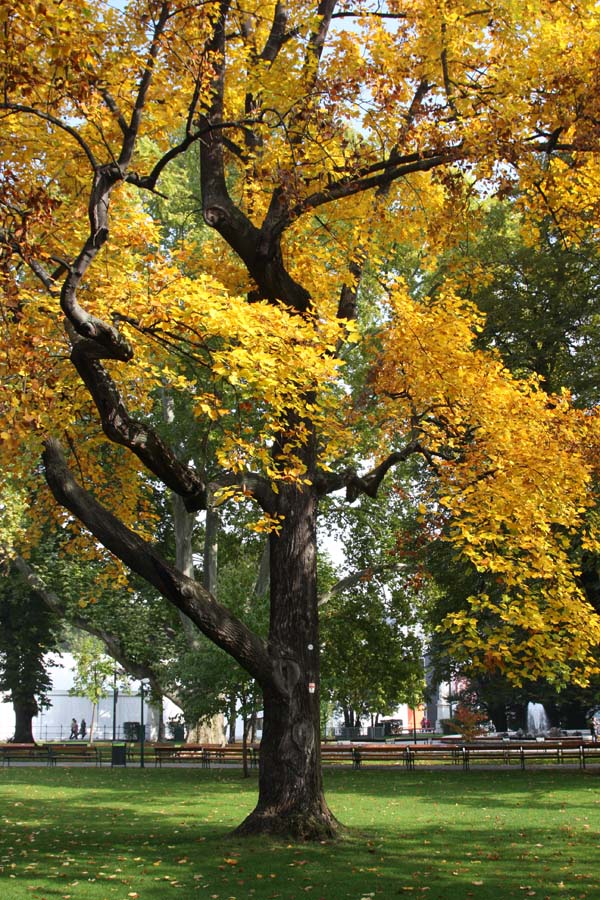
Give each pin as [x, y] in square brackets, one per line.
[122, 834]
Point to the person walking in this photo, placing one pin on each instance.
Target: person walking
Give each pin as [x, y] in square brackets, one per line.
[82, 729]
[74, 730]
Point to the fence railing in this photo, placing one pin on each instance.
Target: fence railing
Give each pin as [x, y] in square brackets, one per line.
[101, 733]
[375, 732]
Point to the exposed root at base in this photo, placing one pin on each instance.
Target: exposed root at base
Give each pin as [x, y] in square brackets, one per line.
[294, 827]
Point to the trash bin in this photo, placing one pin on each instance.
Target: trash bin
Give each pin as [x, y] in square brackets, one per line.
[350, 733]
[376, 732]
[119, 755]
[132, 731]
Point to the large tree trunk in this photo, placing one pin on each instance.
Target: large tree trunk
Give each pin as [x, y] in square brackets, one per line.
[291, 800]
[26, 709]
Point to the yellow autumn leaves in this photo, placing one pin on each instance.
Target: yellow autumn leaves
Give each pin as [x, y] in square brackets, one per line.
[479, 86]
[513, 483]
[261, 361]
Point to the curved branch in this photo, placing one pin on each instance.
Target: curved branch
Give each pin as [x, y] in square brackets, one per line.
[106, 177]
[47, 117]
[47, 278]
[213, 619]
[350, 581]
[368, 484]
[251, 484]
[131, 133]
[120, 428]
[377, 176]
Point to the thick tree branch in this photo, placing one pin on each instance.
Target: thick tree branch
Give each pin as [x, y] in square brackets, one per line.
[317, 40]
[355, 484]
[259, 249]
[278, 35]
[350, 581]
[213, 619]
[120, 428]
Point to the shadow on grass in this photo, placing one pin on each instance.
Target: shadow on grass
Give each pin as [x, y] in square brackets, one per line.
[102, 834]
[508, 786]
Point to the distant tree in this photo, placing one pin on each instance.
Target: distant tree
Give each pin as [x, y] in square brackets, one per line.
[372, 654]
[94, 674]
[28, 632]
[541, 299]
[540, 293]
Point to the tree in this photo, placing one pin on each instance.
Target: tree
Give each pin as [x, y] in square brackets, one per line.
[372, 656]
[540, 301]
[28, 632]
[94, 673]
[325, 134]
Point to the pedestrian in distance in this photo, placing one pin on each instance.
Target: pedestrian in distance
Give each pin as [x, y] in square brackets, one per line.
[74, 730]
[82, 730]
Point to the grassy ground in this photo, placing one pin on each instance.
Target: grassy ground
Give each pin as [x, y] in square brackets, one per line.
[122, 834]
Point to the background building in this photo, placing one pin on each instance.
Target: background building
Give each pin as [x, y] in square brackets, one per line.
[120, 707]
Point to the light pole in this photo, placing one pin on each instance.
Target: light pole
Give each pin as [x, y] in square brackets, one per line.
[142, 726]
[115, 696]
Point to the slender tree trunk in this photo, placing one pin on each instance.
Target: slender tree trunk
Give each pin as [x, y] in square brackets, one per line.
[245, 730]
[92, 724]
[291, 800]
[231, 720]
[26, 709]
[497, 713]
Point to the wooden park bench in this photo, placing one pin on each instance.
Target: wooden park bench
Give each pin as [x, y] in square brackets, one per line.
[74, 752]
[390, 754]
[462, 754]
[232, 753]
[177, 753]
[430, 753]
[590, 751]
[205, 754]
[521, 752]
[504, 752]
[341, 754]
[409, 756]
[24, 753]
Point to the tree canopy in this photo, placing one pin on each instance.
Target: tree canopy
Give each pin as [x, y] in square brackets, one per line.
[324, 136]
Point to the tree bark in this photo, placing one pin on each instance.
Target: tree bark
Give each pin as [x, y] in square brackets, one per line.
[26, 709]
[291, 800]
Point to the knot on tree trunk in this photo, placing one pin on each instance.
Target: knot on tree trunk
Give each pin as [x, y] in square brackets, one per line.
[286, 675]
